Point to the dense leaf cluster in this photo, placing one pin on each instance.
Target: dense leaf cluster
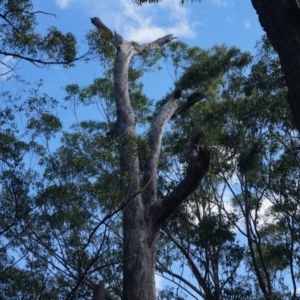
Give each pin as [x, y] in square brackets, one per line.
[21, 41]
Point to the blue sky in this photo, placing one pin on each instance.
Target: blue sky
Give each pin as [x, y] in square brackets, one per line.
[203, 24]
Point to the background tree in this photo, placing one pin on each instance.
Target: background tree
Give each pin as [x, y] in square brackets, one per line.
[20, 41]
[282, 26]
[144, 213]
[249, 131]
[26, 117]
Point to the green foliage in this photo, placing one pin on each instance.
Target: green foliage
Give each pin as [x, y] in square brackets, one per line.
[59, 46]
[60, 210]
[21, 41]
[46, 124]
[102, 47]
[248, 128]
[206, 66]
[213, 231]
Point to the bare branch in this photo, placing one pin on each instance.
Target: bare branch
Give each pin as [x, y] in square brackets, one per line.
[198, 165]
[38, 12]
[170, 109]
[11, 69]
[36, 61]
[29, 12]
[191, 262]
[10, 23]
[154, 141]
[167, 271]
[155, 45]
[106, 32]
[102, 27]
[191, 100]
[118, 39]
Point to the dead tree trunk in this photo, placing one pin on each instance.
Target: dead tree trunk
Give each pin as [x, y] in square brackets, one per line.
[144, 213]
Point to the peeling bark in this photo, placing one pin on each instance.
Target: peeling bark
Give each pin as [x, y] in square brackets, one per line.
[281, 21]
[143, 214]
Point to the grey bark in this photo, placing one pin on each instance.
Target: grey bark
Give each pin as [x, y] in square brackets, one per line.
[281, 21]
[144, 213]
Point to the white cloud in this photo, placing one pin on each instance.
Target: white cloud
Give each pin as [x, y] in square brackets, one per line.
[63, 3]
[247, 24]
[150, 32]
[264, 215]
[145, 23]
[140, 23]
[219, 2]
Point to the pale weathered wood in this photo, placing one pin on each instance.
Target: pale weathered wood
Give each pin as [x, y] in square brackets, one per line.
[144, 213]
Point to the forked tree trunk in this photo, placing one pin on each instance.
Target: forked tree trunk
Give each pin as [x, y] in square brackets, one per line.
[144, 213]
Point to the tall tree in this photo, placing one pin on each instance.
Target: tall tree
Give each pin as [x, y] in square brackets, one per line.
[144, 212]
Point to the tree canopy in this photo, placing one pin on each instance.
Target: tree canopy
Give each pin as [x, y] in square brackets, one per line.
[209, 201]
[21, 41]
[280, 20]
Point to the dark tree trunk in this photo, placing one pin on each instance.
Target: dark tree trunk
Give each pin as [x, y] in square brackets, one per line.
[99, 291]
[144, 213]
[281, 21]
[139, 258]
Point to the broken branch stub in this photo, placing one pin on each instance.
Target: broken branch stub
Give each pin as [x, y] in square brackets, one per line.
[105, 31]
